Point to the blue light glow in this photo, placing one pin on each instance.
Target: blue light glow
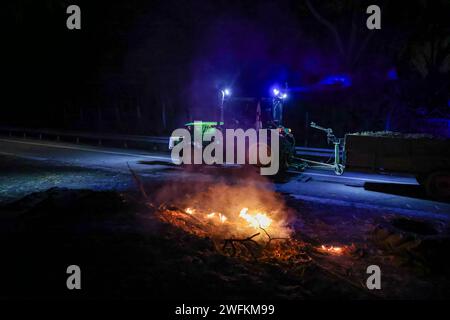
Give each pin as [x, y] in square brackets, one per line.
[340, 80]
[392, 74]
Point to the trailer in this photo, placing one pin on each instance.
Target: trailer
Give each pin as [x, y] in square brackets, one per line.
[423, 156]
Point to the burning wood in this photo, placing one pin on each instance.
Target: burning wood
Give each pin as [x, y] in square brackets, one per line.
[217, 223]
[333, 250]
[231, 231]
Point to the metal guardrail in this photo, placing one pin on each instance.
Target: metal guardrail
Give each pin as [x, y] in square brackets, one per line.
[126, 141]
[79, 136]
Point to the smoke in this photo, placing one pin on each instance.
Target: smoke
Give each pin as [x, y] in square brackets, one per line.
[221, 195]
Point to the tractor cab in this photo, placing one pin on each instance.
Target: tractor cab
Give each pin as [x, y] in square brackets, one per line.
[196, 128]
[203, 127]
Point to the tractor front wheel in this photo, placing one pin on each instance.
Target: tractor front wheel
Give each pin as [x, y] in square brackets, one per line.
[339, 169]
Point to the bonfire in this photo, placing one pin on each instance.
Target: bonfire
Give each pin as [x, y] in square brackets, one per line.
[243, 220]
[245, 231]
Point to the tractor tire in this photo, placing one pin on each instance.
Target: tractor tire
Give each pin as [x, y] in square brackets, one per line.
[339, 170]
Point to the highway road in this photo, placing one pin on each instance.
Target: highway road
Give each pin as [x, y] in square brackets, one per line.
[396, 193]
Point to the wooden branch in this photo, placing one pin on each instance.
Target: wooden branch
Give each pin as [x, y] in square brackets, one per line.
[138, 182]
[270, 238]
[231, 242]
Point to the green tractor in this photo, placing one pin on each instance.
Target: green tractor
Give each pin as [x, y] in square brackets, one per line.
[271, 119]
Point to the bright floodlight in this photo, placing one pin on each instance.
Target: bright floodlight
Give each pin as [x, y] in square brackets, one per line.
[276, 91]
[284, 96]
[227, 92]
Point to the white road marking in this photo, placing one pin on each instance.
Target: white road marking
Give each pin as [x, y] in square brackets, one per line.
[358, 179]
[85, 149]
[15, 155]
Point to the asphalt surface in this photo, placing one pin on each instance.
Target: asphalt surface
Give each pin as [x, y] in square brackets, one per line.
[401, 194]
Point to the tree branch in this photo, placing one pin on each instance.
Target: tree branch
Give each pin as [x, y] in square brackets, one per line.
[329, 25]
[352, 38]
[363, 47]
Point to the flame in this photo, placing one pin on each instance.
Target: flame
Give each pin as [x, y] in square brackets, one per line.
[260, 220]
[235, 223]
[222, 218]
[332, 249]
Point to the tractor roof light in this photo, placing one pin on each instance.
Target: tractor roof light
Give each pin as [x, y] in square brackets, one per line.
[278, 94]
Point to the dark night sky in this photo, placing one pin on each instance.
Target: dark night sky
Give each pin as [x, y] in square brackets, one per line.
[181, 50]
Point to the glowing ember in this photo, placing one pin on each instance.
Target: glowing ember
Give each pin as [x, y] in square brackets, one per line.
[332, 249]
[190, 210]
[211, 215]
[260, 220]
